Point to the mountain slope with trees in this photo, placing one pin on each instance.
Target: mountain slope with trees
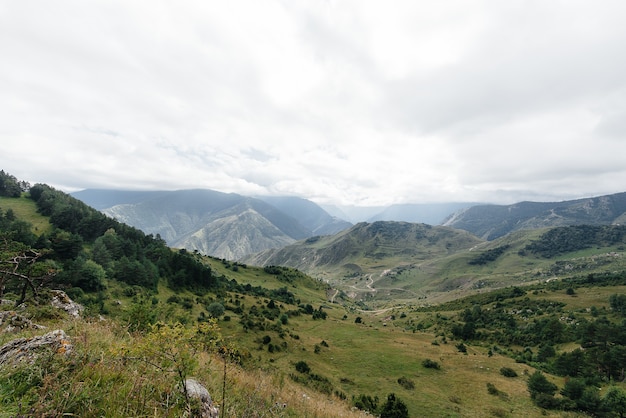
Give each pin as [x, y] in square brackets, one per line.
[493, 221]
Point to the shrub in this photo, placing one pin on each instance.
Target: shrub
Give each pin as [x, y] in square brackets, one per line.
[430, 364]
[508, 372]
[406, 383]
[491, 389]
[366, 403]
[394, 408]
[302, 367]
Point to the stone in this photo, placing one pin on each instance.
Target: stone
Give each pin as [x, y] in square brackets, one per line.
[60, 300]
[27, 349]
[11, 321]
[196, 390]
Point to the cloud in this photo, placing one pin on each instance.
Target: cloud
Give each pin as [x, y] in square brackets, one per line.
[349, 102]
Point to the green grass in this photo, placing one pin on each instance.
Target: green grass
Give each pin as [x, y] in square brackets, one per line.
[26, 210]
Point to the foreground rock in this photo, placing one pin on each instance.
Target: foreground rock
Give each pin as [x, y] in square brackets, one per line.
[196, 390]
[28, 349]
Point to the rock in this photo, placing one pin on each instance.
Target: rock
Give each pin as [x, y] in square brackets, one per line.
[62, 301]
[197, 391]
[12, 321]
[27, 349]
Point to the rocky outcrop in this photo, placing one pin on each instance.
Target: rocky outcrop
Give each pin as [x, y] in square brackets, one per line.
[60, 300]
[196, 390]
[28, 349]
[11, 321]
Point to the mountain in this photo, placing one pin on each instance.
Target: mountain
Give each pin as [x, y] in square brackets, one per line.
[494, 221]
[368, 245]
[225, 225]
[312, 216]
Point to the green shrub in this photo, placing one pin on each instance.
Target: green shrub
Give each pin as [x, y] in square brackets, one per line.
[406, 383]
[302, 367]
[508, 372]
[430, 364]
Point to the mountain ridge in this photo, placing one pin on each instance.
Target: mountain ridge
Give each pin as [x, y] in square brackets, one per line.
[494, 221]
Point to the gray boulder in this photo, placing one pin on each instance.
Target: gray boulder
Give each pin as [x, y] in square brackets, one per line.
[27, 349]
[60, 300]
[196, 390]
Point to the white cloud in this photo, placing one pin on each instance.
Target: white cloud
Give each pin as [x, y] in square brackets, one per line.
[339, 101]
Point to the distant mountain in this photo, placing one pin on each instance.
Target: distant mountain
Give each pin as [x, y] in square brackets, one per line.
[225, 225]
[494, 221]
[364, 244]
[354, 214]
[309, 214]
[428, 213]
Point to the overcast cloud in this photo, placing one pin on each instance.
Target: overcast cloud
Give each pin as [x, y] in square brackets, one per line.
[346, 102]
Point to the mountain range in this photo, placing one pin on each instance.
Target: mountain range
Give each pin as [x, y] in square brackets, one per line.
[233, 226]
[224, 225]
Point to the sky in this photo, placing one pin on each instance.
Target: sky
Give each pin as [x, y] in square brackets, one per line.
[347, 102]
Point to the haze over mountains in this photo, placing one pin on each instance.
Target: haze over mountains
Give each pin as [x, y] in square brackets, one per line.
[232, 226]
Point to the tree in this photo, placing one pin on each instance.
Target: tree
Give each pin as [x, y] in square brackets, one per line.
[574, 389]
[92, 276]
[618, 303]
[394, 408]
[9, 185]
[538, 384]
[615, 401]
[24, 266]
[215, 309]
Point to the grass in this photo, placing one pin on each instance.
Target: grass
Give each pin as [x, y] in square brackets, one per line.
[366, 358]
[26, 210]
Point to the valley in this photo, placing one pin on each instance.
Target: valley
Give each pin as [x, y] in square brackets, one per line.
[406, 317]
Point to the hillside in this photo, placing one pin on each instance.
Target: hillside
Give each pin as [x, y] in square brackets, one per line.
[493, 221]
[386, 263]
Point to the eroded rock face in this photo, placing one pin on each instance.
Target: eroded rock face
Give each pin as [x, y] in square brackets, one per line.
[197, 391]
[60, 300]
[27, 349]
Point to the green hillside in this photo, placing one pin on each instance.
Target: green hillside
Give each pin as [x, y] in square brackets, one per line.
[458, 329]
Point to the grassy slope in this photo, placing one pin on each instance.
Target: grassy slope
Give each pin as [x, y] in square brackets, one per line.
[26, 210]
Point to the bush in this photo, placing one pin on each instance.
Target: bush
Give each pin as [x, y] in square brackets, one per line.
[366, 403]
[430, 364]
[394, 408]
[406, 383]
[508, 372]
[491, 389]
[302, 367]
